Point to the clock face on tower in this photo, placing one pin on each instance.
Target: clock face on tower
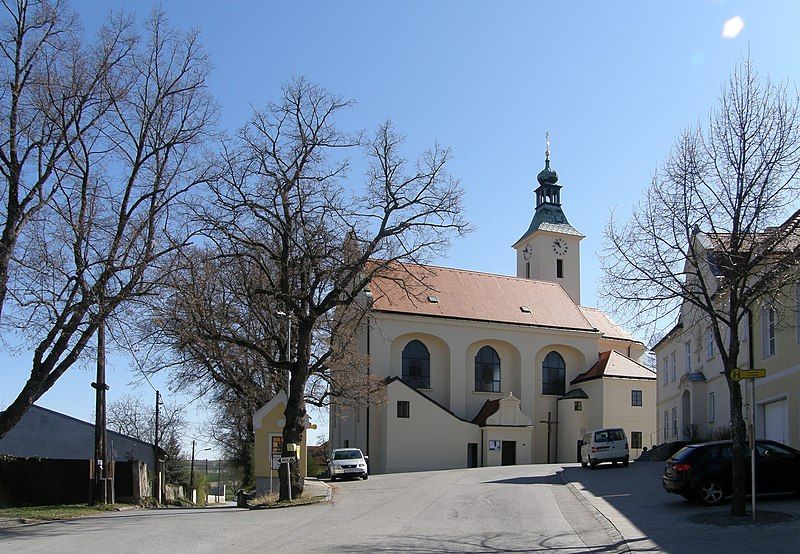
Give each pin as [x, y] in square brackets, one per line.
[560, 247]
[527, 252]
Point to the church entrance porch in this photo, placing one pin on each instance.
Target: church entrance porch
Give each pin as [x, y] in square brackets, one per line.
[509, 453]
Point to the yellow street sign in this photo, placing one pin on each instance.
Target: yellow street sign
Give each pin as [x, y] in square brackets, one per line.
[739, 374]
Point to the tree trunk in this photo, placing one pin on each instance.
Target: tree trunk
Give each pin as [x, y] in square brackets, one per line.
[293, 431]
[14, 412]
[739, 460]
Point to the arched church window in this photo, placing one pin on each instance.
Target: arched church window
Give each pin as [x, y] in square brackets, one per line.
[417, 365]
[554, 374]
[487, 370]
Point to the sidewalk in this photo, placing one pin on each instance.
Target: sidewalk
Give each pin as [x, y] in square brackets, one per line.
[634, 502]
[315, 487]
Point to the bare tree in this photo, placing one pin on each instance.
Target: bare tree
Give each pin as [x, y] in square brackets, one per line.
[711, 238]
[105, 231]
[299, 241]
[132, 416]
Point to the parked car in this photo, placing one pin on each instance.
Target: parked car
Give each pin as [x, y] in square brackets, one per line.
[348, 462]
[702, 472]
[605, 445]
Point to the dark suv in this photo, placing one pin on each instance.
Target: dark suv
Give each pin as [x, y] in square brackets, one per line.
[703, 471]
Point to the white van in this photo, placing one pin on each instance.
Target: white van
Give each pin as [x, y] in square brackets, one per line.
[605, 445]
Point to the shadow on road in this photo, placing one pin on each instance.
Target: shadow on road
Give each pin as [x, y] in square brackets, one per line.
[635, 502]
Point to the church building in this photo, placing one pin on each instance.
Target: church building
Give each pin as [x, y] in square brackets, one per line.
[484, 369]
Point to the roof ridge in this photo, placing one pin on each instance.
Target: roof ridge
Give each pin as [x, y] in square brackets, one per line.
[478, 272]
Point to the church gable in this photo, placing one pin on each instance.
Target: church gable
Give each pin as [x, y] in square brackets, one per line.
[502, 412]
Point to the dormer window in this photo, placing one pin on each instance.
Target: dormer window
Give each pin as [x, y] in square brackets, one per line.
[433, 299]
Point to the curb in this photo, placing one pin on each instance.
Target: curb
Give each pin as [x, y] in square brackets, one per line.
[608, 525]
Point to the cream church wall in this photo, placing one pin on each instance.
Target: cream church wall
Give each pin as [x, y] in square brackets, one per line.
[430, 439]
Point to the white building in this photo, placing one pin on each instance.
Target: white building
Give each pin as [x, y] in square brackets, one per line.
[477, 364]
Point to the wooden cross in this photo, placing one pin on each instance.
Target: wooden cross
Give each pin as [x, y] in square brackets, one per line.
[550, 423]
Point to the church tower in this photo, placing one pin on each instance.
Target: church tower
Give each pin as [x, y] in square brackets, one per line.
[550, 249]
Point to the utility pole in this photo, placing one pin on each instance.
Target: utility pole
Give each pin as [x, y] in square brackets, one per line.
[191, 475]
[219, 478]
[156, 479]
[100, 492]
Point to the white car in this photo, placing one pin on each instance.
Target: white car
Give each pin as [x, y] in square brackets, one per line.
[605, 445]
[348, 462]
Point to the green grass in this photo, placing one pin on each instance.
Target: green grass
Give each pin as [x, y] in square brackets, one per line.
[54, 512]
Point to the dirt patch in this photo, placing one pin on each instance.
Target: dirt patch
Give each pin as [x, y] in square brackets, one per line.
[725, 519]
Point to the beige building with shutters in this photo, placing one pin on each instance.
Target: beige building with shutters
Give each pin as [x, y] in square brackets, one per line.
[484, 369]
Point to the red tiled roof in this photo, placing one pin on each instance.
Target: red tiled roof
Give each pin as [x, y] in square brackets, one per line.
[472, 295]
[488, 409]
[614, 364]
[610, 330]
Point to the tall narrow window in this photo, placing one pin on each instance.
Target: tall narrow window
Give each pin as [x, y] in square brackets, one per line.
[675, 421]
[666, 370]
[767, 331]
[527, 270]
[797, 310]
[560, 269]
[666, 425]
[417, 365]
[636, 398]
[709, 343]
[487, 370]
[636, 439]
[554, 374]
[712, 407]
[672, 359]
[688, 349]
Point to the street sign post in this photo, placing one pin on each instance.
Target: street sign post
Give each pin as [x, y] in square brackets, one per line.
[751, 374]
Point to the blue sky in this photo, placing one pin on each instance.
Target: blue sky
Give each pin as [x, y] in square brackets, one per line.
[614, 83]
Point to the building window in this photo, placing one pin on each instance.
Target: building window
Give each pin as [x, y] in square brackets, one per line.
[560, 269]
[666, 425]
[675, 422]
[554, 374]
[674, 366]
[417, 365]
[277, 444]
[709, 343]
[767, 331]
[636, 398]
[403, 408]
[688, 349]
[666, 370]
[578, 406]
[527, 270]
[797, 310]
[346, 443]
[636, 439]
[712, 407]
[487, 370]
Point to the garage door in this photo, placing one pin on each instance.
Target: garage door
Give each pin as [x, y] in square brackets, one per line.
[775, 421]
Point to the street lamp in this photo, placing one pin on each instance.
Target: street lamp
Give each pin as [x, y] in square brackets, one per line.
[288, 347]
[191, 473]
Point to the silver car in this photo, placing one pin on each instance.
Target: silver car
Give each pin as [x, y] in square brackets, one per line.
[348, 462]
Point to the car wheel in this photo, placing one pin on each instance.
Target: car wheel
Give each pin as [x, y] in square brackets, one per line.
[366, 476]
[710, 493]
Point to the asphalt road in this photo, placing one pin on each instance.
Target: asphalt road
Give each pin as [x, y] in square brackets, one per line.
[517, 508]
[650, 520]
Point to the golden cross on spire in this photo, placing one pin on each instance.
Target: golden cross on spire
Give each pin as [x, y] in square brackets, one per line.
[547, 142]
